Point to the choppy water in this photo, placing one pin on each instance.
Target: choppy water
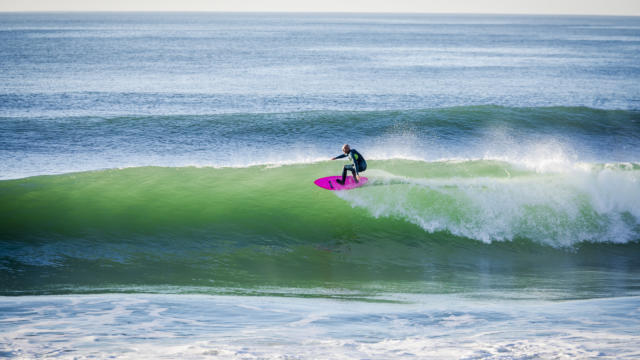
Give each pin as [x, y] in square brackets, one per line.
[176, 153]
[165, 64]
[195, 327]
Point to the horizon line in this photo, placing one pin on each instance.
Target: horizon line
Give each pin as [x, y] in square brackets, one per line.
[314, 12]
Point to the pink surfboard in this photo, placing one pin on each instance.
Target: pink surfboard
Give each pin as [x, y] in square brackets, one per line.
[330, 183]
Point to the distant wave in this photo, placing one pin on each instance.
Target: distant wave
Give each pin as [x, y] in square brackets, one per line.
[39, 146]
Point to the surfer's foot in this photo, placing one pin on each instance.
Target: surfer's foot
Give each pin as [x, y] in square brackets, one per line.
[340, 181]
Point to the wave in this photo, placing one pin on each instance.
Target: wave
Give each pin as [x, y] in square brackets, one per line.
[72, 144]
[152, 227]
[480, 200]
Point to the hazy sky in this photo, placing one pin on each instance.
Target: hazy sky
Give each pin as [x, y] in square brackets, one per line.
[597, 7]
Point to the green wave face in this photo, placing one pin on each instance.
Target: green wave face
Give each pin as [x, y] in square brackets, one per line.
[417, 226]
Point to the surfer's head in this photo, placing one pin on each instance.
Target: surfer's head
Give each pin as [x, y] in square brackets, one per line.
[346, 148]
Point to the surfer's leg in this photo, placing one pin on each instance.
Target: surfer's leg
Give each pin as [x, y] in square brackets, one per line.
[353, 172]
[344, 175]
[361, 167]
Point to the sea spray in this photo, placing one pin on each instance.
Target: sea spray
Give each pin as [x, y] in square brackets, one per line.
[583, 203]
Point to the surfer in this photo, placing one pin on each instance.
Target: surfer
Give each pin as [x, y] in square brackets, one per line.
[358, 163]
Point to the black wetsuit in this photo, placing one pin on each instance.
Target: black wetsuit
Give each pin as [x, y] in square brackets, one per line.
[359, 164]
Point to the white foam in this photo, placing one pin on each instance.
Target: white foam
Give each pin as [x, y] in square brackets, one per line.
[580, 203]
[199, 327]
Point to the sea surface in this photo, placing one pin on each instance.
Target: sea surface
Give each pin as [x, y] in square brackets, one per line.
[157, 196]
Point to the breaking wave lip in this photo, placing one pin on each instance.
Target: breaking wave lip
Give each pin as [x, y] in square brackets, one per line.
[557, 163]
[546, 139]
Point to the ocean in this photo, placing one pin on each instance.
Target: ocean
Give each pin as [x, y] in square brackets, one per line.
[157, 196]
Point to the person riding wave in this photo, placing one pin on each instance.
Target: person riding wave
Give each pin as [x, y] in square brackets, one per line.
[358, 164]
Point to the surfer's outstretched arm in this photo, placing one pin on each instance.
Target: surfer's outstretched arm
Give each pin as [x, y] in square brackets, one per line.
[339, 157]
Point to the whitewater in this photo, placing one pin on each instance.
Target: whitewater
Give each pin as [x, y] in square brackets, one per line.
[157, 196]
